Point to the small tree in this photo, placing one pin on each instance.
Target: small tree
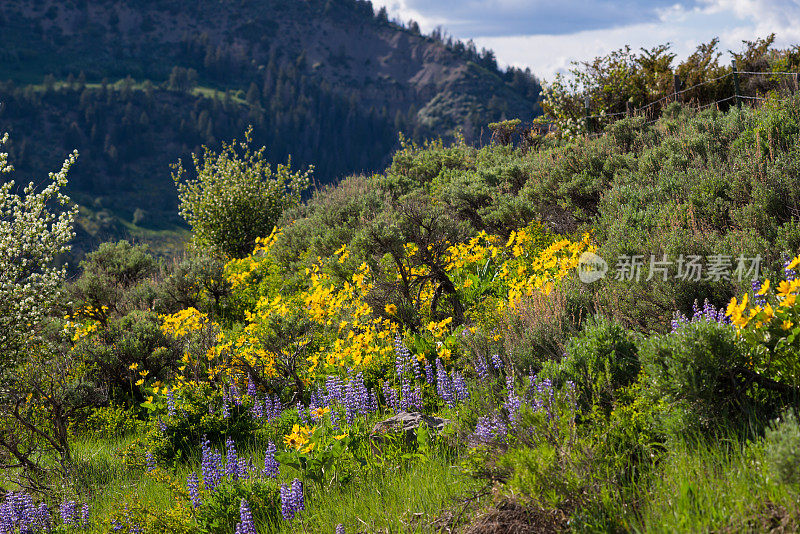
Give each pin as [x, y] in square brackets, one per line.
[38, 391]
[31, 236]
[236, 197]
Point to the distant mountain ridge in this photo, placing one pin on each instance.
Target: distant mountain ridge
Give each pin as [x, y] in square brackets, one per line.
[328, 81]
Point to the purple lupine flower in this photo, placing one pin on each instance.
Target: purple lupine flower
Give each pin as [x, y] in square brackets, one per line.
[69, 511]
[334, 388]
[759, 300]
[339, 529]
[226, 411]
[170, 402]
[708, 313]
[271, 465]
[268, 409]
[362, 394]
[444, 386]
[372, 406]
[149, 461]
[402, 356]
[246, 467]
[497, 362]
[416, 367]
[193, 486]
[85, 515]
[791, 274]
[303, 413]
[482, 369]
[258, 409]
[513, 404]
[405, 396]
[211, 466]
[6, 517]
[245, 525]
[491, 428]
[287, 510]
[251, 386]
[277, 407]
[356, 398]
[390, 394]
[316, 401]
[460, 387]
[231, 460]
[235, 396]
[417, 400]
[542, 396]
[430, 376]
[162, 426]
[43, 517]
[297, 495]
[292, 500]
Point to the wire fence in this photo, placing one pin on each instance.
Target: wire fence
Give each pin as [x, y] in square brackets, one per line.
[648, 109]
[737, 97]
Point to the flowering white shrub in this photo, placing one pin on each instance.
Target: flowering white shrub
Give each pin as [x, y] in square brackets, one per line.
[34, 229]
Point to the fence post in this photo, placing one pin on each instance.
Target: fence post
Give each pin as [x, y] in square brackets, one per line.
[676, 84]
[586, 114]
[736, 85]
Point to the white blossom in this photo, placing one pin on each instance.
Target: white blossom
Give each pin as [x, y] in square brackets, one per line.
[35, 227]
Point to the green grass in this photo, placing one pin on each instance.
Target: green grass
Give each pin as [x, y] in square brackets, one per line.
[722, 486]
[391, 500]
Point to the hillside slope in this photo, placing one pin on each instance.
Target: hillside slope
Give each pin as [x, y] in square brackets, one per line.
[136, 85]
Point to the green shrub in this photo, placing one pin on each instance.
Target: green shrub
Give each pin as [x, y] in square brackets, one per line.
[135, 339]
[220, 512]
[236, 197]
[198, 282]
[782, 449]
[111, 422]
[177, 437]
[696, 372]
[114, 280]
[600, 361]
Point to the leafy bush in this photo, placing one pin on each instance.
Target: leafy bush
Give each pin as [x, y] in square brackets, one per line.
[782, 448]
[177, 436]
[128, 350]
[110, 422]
[113, 281]
[236, 197]
[696, 371]
[600, 360]
[220, 512]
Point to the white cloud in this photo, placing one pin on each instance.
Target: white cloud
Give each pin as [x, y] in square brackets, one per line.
[732, 21]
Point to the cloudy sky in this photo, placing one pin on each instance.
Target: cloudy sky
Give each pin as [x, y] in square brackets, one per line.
[547, 35]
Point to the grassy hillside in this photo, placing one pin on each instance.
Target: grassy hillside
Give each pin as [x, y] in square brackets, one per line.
[225, 392]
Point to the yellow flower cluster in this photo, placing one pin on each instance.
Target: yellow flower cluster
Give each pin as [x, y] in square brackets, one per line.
[529, 273]
[240, 271]
[85, 321]
[785, 314]
[183, 322]
[299, 438]
[347, 332]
